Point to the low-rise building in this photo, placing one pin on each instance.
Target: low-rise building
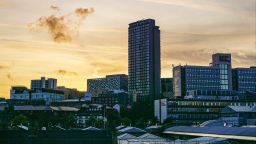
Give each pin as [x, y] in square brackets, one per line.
[239, 115]
[86, 112]
[71, 93]
[146, 138]
[110, 82]
[193, 111]
[48, 95]
[110, 98]
[20, 93]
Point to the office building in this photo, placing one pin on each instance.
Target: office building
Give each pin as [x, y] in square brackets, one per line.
[48, 95]
[223, 63]
[49, 83]
[239, 115]
[187, 78]
[218, 95]
[112, 98]
[244, 79]
[193, 111]
[166, 87]
[109, 98]
[109, 83]
[218, 76]
[20, 93]
[144, 60]
[71, 93]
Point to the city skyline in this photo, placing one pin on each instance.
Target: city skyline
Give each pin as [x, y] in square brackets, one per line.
[196, 30]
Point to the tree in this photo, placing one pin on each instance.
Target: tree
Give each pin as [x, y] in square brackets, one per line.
[68, 121]
[20, 119]
[126, 121]
[113, 118]
[143, 110]
[92, 121]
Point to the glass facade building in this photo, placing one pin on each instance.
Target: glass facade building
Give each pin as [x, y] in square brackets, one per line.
[223, 62]
[217, 76]
[199, 77]
[193, 111]
[187, 78]
[244, 79]
[144, 60]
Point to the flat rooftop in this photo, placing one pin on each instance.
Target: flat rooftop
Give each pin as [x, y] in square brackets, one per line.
[239, 133]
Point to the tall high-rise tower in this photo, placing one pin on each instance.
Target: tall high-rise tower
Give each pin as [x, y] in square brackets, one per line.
[144, 60]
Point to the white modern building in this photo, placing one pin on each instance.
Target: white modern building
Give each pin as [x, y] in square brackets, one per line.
[47, 94]
[20, 93]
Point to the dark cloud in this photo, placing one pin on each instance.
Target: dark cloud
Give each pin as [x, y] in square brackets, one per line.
[64, 72]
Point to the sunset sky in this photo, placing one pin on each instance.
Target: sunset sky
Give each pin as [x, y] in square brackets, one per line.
[191, 31]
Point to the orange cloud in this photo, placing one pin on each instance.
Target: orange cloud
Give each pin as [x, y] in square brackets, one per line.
[83, 12]
[62, 28]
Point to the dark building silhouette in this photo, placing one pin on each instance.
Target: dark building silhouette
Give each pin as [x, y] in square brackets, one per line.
[71, 93]
[166, 87]
[144, 60]
[55, 137]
